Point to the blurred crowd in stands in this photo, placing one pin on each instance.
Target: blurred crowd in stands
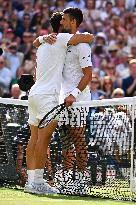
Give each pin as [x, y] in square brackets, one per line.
[113, 22]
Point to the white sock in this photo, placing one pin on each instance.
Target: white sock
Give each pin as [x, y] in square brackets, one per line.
[30, 174]
[38, 177]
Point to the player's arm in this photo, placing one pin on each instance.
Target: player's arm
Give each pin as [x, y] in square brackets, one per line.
[86, 65]
[81, 38]
[36, 43]
[87, 76]
[74, 40]
[51, 38]
[85, 62]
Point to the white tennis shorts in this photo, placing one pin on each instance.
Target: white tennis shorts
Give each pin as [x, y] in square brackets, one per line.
[76, 116]
[39, 106]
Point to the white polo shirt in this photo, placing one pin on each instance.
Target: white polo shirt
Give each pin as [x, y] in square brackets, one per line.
[50, 62]
[77, 58]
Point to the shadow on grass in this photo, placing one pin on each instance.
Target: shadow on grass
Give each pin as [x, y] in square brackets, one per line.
[58, 196]
[72, 198]
[55, 196]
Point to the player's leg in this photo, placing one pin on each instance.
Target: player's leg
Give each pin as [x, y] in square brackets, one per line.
[40, 154]
[82, 175]
[38, 185]
[68, 158]
[68, 155]
[44, 137]
[77, 130]
[44, 105]
[30, 159]
[68, 149]
[40, 144]
[74, 150]
[75, 136]
[79, 133]
[81, 148]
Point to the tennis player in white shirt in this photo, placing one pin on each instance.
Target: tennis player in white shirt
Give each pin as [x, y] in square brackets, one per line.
[77, 73]
[42, 98]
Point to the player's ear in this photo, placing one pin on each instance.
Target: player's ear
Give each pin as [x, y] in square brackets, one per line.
[73, 22]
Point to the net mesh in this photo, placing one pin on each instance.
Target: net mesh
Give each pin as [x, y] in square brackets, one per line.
[92, 151]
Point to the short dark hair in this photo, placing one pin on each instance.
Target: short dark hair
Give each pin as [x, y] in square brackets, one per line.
[74, 13]
[55, 21]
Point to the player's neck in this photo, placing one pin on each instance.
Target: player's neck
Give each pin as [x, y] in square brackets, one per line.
[73, 30]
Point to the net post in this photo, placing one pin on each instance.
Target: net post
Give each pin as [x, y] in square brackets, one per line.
[133, 160]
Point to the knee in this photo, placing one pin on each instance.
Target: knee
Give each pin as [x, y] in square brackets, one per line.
[82, 156]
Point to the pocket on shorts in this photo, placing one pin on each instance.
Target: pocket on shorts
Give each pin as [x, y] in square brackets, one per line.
[46, 103]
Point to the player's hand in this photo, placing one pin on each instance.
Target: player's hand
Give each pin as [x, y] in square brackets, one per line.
[69, 100]
[51, 38]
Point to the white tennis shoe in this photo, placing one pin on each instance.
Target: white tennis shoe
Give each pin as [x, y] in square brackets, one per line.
[40, 188]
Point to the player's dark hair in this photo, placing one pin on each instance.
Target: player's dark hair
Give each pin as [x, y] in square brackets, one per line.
[55, 21]
[74, 13]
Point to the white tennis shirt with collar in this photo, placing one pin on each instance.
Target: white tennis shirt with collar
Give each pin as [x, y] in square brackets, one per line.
[77, 58]
[50, 62]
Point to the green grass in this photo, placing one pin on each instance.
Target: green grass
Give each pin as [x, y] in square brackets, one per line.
[114, 189]
[18, 197]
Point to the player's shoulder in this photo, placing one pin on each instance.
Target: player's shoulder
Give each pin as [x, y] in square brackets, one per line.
[83, 46]
[63, 35]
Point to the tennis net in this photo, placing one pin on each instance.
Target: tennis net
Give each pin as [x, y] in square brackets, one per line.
[92, 151]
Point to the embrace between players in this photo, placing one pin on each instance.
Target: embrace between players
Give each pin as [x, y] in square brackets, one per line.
[63, 57]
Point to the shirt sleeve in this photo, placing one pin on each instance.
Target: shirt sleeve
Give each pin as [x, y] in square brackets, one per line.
[64, 38]
[85, 59]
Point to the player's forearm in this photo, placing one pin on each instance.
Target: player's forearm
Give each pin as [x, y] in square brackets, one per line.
[81, 38]
[85, 79]
[51, 39]
[36, 43]
[83, 82]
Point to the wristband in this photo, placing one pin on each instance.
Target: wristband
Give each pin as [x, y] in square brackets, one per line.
[41, 40]
[75, 92]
